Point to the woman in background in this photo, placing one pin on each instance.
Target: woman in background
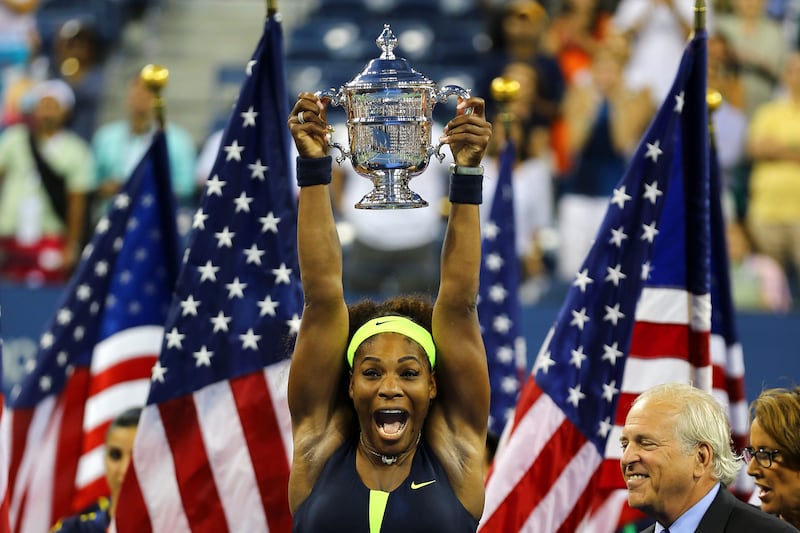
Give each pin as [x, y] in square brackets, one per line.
[773, 457]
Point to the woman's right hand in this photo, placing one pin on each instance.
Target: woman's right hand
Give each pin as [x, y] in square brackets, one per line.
[308, 126]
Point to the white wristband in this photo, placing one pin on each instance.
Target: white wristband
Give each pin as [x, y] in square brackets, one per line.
[466, 171]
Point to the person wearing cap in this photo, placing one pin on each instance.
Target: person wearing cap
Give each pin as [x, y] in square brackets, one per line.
[45, 174]
[389, 401]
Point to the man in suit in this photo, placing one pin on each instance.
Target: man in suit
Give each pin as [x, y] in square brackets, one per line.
[677, 463]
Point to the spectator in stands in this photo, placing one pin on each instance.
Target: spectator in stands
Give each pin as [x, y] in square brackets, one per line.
[605, 120]
[46, 172]
[657, 31]
[17, 28]
[773, 213]
[773, 457]
[760, 47]
[532, 182]
[574, 35]
[78, 60]
[19, 44]
[17, 18]
[677, 463]
[729, 123]
[18, 81]
[724, 70]
[521, 39]
[119, 146]
[758, 282]
[118, 449]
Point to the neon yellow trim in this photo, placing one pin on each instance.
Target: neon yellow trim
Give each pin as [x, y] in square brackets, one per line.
[103, 503]
[377, 506]
[392, 324]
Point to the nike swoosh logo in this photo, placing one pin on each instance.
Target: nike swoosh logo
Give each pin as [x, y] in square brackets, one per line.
[415, 486]
[383, 322]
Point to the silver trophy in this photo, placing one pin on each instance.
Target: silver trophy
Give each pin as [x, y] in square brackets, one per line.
[389, 107]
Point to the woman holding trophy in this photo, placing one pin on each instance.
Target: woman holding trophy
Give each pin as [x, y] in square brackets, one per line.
[389, 401]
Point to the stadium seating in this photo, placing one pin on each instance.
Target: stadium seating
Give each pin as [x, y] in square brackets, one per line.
[440, 38]
[108, 16]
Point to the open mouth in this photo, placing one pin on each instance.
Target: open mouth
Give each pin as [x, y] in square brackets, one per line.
[763, 492]
[390, 422]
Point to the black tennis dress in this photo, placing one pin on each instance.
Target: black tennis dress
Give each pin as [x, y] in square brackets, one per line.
[423, 503]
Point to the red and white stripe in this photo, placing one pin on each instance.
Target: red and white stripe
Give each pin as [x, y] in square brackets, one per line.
[4, 448]
[57, 463]
[547, 477]
[216, 460]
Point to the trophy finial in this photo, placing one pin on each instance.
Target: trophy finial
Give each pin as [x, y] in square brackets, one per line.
[387, 42]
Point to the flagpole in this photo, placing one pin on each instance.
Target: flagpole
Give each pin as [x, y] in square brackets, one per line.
[155, 78]
[272, 7]
[699, 15]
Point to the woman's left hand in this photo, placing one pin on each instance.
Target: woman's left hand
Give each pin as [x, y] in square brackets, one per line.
[468, 133]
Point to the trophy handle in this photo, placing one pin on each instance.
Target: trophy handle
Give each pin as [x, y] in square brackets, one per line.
[336, 98]
[441, 96]
[448, 90]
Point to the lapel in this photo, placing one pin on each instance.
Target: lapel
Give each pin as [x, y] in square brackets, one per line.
[716, 517]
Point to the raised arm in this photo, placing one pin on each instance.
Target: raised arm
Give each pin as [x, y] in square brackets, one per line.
[317, 367]
[462, 376]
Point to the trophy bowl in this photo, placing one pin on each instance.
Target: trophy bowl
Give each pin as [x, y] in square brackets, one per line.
[389, 107]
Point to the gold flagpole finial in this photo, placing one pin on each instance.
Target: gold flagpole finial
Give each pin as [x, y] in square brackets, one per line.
[504, 91]
[155, 78]
[713, 101]
[272, 7]
[699, 15]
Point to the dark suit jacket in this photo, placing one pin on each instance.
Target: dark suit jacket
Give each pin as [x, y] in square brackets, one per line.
[728, 514]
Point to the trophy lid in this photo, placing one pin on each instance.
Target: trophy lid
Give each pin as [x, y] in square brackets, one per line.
[388, 70]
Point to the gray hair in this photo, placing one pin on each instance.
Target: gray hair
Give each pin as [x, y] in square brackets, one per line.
[701, 420]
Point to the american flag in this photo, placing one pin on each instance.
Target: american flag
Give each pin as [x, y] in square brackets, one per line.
[94, 358]
[637, 314]
[499, 308]
[213, 448]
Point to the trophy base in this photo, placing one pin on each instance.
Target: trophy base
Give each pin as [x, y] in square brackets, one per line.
[391, 191]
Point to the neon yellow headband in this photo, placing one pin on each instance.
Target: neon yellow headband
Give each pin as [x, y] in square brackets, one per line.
[392, 324]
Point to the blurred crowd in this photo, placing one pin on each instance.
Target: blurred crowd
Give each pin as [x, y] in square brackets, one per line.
[592, 74]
